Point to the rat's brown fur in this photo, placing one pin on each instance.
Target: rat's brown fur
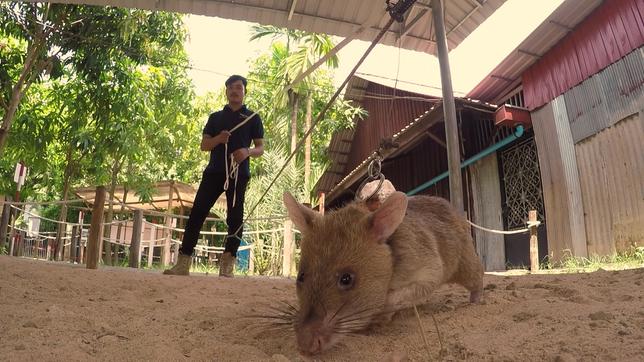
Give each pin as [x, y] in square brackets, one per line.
[397, 255]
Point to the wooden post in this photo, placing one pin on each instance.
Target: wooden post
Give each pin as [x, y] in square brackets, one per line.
[4, 221]
[449, 109]
[95, 229]
[14, 236]
[72, 246]
[165, 256]
[251, 262]
[36, 248]
[67, 249]
[20, 237]
[322, 201]
[81, 250]
[153, 237]
[287, 258]
[135, 244]
[534, 245]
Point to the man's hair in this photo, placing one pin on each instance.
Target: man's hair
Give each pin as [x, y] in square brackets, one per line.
[234, 78]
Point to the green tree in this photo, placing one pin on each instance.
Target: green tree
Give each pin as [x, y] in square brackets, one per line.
[29, 29]
[292, 61]
[123, 101]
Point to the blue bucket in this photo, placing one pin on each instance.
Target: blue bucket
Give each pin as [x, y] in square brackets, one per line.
[243, 256]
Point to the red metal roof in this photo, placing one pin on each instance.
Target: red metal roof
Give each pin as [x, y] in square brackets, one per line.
[506, 77]
[612, 31]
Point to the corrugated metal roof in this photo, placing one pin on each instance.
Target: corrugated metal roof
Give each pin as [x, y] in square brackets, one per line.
[611, 32]
[334, 17]
[507, 75]
[340, 145]
[350, 164]
[343, 156]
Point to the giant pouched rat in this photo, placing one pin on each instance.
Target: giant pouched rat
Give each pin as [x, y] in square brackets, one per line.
[357, 265]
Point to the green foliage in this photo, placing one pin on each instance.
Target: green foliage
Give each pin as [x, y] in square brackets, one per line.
[266, 88]
[124, 80]
[109, 102]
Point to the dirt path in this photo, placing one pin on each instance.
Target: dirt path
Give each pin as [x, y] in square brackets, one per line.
[61, 312]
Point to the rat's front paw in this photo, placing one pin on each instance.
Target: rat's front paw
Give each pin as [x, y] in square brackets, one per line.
[396, 300]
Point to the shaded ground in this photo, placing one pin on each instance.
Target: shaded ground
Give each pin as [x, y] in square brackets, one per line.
[61, 312]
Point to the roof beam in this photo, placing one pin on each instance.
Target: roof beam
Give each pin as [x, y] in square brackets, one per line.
[408, 26]
[535, 55]
[436, 138]
[176, 191]
[418, 4]
[502, 78]
[477, 6]
[292, 9]
[563, 26]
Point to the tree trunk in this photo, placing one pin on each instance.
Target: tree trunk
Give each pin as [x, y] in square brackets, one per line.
[62, 216]
[295, 103]
[307, 144]
[4, 223]
[107, 233]
[120, 226]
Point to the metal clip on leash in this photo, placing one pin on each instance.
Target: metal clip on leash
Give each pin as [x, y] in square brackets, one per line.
[373, 173]
[398, 10]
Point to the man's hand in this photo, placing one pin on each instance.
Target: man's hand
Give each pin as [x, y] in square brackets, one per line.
[241, 154]
[222, 137]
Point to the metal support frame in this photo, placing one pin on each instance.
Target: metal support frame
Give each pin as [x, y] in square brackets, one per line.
[449, 109]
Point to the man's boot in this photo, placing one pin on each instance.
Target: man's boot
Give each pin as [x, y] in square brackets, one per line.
[227, 265]
[182, 267]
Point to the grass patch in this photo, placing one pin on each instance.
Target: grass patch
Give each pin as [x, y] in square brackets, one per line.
[632, 258]
[629, 259]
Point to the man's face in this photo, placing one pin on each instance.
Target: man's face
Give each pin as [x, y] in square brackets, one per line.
[235, 92]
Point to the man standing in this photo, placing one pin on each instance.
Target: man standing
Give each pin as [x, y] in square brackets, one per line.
[227, 135]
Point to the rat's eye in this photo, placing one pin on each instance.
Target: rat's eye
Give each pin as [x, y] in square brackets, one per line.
[300, 277]
[345, 281]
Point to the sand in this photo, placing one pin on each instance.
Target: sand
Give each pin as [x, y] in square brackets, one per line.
[56, 311]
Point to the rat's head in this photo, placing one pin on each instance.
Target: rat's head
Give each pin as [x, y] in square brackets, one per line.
[345, 268]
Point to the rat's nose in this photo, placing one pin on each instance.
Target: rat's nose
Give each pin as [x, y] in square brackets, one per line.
[314, 345]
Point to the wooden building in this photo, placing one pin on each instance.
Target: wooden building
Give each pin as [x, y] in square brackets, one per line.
[581, 76]
[418, 162]
[566, 138]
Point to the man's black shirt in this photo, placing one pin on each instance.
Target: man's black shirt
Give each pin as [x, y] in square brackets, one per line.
[227, 119]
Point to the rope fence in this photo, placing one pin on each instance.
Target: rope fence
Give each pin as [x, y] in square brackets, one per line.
[153, 243]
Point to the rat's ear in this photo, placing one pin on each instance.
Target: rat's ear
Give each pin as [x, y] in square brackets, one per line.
[386, 219]
[301, 215]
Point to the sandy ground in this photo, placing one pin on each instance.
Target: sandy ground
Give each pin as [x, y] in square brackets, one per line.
[61, 312]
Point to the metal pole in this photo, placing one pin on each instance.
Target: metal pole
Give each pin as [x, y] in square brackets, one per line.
[449, 109]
